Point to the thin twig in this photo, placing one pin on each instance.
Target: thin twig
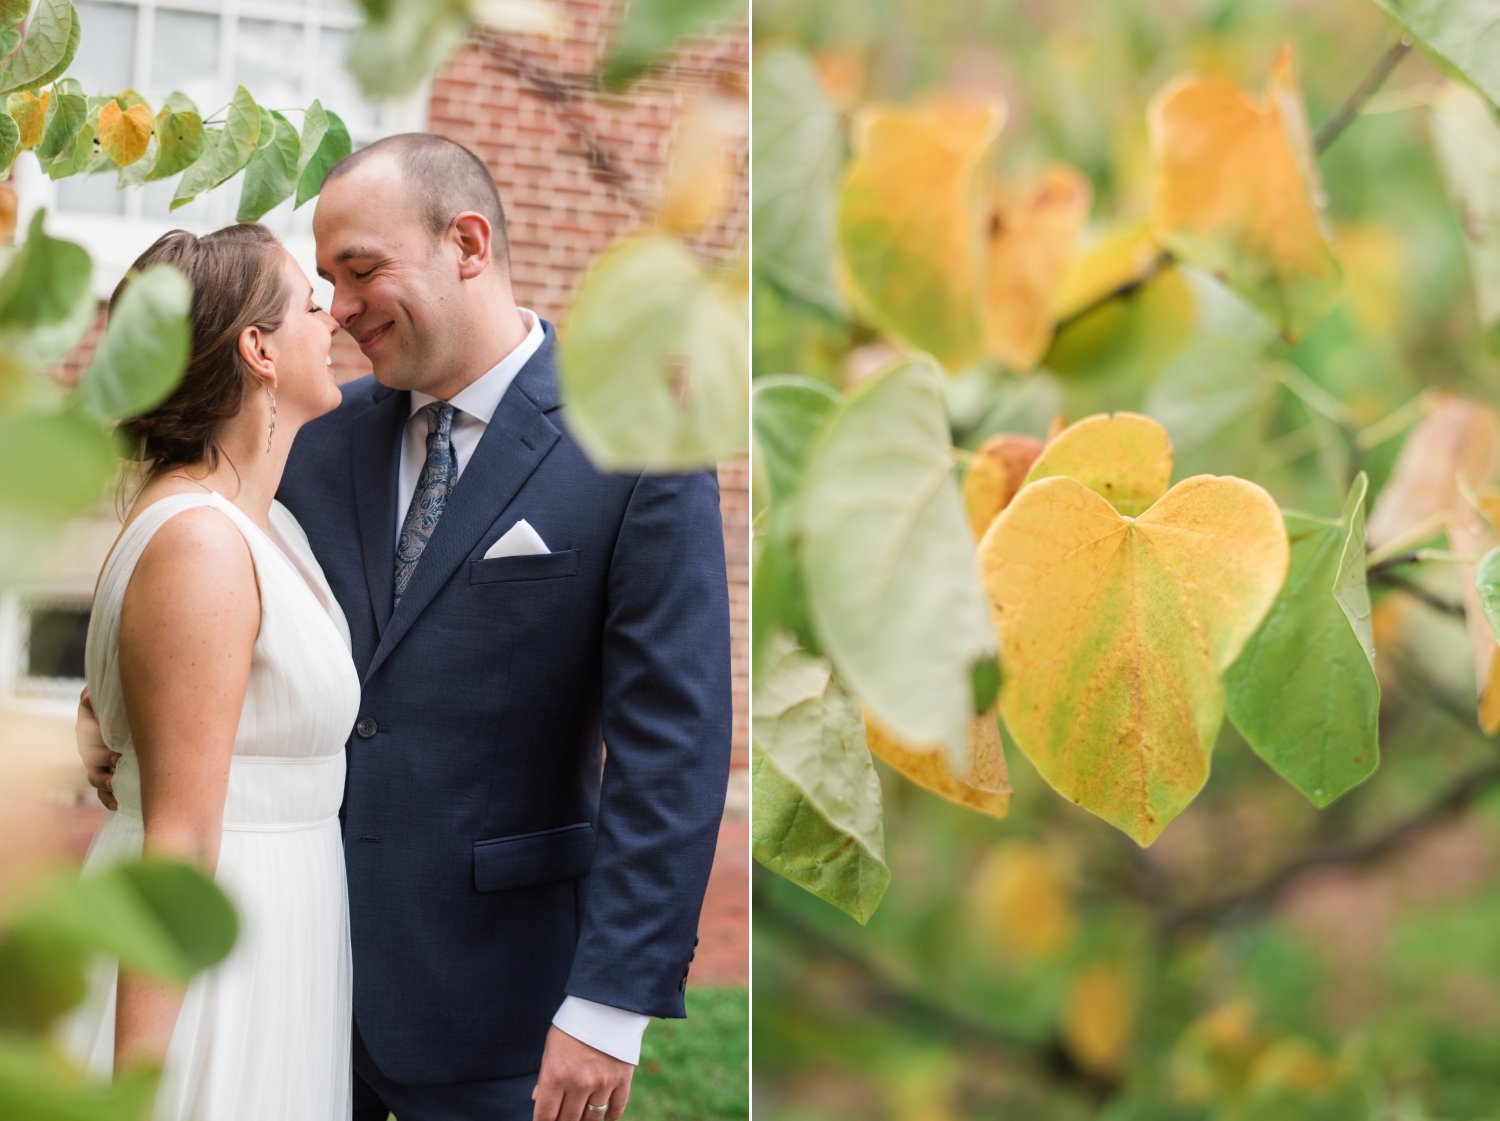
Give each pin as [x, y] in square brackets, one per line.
[1389, 579]
[1342, 116]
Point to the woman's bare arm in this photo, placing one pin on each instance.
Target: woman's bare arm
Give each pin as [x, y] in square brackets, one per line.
[187, 630]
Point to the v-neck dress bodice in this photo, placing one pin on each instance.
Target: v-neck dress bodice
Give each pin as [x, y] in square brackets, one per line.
[265, 1034]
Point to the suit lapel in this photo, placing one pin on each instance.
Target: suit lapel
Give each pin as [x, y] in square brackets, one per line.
[377, 459]
[517, 439]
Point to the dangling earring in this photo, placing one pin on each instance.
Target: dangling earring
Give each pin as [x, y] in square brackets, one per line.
[271, 393]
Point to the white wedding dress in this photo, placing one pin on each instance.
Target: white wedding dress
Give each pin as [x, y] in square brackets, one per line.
[265, 1035]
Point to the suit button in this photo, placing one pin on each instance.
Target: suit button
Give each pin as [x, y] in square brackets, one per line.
[366, 728]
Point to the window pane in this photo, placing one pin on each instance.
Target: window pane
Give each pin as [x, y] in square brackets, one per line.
[268, 62]
[185, 57]
[91, 194]
[56, 646]
[106, 52]
[336, 87]
[156, 202]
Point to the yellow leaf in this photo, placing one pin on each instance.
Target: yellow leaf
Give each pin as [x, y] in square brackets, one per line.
[1126, 458]
[1125, 257]
[907, 223]
[995, 475]
[1115, 632]
[985, 786]
[1294, 1064]
[1237, 193]
[1097, 1021]
[702, 169]
[1031, 240]
[1458, 438]
[1212, 1057]
[1376, 268]
[123, 136]
[1022, 900]
[30, 112]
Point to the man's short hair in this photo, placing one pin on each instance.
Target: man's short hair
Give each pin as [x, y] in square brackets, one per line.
[445, 178]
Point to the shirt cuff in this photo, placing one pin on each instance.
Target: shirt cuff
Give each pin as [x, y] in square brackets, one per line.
[611, 1030]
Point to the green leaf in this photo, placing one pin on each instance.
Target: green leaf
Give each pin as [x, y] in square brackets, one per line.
[224, 157]
[325, 141]
[1458, 31]
[651, 28]
[798, 152]
[1466, 138]
[78, 154]
[52, 37]
[70, 51]
[10, 143]
[1210, 401]
[1487, 583]
[817, 816]
[402, 42]
[45, 281]
[144, 350]
[887, 559]
[66, 114]
[271, 175]
[80, 461]
[37, 1083]
[787, 411]
[179, 137]
[1304, 692]
[12, 12]
[655, 368]
[199, 176]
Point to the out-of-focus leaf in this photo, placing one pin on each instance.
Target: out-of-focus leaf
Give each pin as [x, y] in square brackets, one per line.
[797, 149]
[817, 814]
[700, 175]
[144, 350]
[1021, 898]
[520, 17]
[1097, 1021]
[1125, 458]
[655, 364]
[45, 282]
[66, 113]
[38, 1084]
[893, 595]
[10, 143]
[1118, 260]
[1031, 239]
[179, 137]
[1458, 439]
[1123, 344]
[1207, 390]
[325, 141]
[787, 411]
[1487, 583]
[652, 27]
[1466, 137]
[271, 174]
[997, 471]
[1116, 630]
[1459, 31]
[80, 459]
[1304, 692]
[13, 12]
[1237, 194]
[1212, 1058]
[403, 42]
[52, 36]
[123, 136]
[30, 112]
[983, 785]
[907, 223]
[225, 150]
[1472, 533]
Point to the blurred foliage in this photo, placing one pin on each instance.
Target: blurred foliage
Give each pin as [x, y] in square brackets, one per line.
[696, 1069]
[1317, 326]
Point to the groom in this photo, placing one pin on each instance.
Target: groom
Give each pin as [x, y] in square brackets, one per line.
[522, 900]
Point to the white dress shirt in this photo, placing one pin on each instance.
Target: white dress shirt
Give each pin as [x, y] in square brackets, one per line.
[615, 1031]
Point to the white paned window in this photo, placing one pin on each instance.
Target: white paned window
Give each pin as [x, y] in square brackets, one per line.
[286, 52]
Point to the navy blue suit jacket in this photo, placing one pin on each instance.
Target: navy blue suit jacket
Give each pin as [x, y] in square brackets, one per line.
[496, 863]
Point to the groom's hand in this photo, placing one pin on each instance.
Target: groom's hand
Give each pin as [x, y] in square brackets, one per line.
[574, 1075]
[98, 760]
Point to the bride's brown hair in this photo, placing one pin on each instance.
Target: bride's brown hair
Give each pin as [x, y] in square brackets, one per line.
[238, 281]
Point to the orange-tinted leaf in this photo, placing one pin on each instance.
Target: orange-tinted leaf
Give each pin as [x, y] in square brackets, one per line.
[123, 136]
[1123, 258]
[995, 475]
[702, 170]
[1097, 1021]
[30, 112]
[1470, 533]
[1458, 438]
[1031, 239]
[1126, 458]
[1022, 900]
[1212, 1058]
[907, 223]
[985, 786]
[1237, 193]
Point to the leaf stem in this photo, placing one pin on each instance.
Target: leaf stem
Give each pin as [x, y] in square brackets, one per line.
[1344, 115]
[1416, 591]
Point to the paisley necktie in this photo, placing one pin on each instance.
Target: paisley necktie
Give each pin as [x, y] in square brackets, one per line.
[439, 474]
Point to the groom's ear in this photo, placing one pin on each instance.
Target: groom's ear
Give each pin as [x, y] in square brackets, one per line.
[472, 235]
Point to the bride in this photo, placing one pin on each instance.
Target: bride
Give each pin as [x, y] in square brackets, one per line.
[219, 668]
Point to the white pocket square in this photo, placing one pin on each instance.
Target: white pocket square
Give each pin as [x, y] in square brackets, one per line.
[520, 540]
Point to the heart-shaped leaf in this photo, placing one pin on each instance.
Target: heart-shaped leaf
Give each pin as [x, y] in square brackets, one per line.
[66, 113]
[30, 112]
[887, 559]
[1115, 632]
[1237, 194]
[1460, 439]
[271, 174]
[1031, 240]
[997, 471]
[179, 137]
[144, 350]
[1126, 458]
[124, 135]
[226, 150]
[1304, 692]
[983, 785]
[908, 227]
[52, 38]
[817, 813]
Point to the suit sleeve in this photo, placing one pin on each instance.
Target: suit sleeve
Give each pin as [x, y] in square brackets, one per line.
[666, 716]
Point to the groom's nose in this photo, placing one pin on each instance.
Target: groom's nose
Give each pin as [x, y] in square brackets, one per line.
[345, 307]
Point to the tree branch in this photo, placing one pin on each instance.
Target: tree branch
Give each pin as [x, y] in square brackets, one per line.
[1379, 575]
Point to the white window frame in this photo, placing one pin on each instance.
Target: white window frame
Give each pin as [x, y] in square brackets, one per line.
[115, 241]
[19, 690]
